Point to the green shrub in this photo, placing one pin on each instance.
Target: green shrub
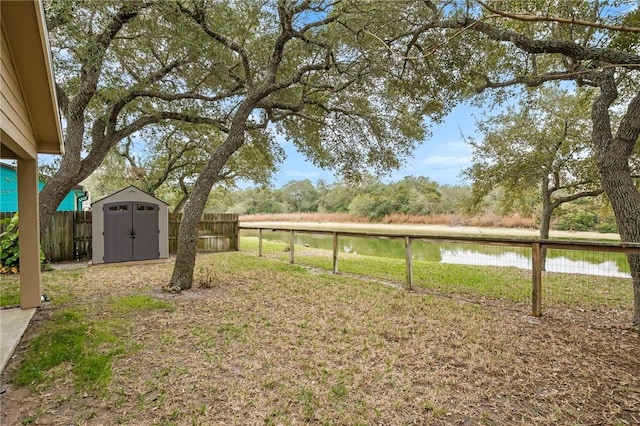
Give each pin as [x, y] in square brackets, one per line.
[10, 249]
[607, 225]
[579, 220]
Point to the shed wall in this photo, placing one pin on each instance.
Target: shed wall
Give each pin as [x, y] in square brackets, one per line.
[127, 195]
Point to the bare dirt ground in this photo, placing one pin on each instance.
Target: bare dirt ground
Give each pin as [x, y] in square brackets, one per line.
[277, 344]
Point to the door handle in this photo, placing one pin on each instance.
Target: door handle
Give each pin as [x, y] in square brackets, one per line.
[132, 234]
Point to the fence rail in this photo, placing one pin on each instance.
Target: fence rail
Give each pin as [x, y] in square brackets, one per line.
[537, 247]
[68, 236]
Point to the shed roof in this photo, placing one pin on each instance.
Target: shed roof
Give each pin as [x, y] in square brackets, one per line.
[131, 188]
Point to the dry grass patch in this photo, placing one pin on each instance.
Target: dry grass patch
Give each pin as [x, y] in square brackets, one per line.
[272, 343]
[303, 217]
[492, 220]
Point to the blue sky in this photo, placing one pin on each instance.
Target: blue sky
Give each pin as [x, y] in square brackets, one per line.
[440, 157]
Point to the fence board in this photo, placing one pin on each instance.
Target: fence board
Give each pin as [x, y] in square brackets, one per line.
[216, 232]
[68, 236]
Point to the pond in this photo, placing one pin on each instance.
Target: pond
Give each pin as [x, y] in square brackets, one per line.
[566, 261]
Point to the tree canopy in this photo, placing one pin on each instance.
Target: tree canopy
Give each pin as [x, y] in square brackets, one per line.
[591, 44]
[315, 71]
[120, 68]
[350, 83]
[540, 147]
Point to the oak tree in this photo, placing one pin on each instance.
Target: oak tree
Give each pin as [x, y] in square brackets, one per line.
[540, 145]
[317, 72]
[120, 68]
[593, 45]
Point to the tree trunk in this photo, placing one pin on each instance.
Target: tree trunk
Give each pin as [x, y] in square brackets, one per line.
[182, 278]
[73, 169]
[545, 220]
[613, 154]
[63, 181]
[625, 201]
[178, 208]
[56, 188]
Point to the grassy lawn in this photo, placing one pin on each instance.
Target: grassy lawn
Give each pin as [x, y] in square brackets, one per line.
[574, 291]
[271, 343]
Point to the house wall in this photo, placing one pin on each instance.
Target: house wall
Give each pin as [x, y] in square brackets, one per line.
[29, 123]
[9, 193]
[134, 195]
[17, 130]
[29, 113]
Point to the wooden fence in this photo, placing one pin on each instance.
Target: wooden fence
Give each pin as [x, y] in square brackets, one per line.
[216, 232]
[68, 236]
[537, 247]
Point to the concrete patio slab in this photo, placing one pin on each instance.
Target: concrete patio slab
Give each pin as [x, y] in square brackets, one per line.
[13, 324]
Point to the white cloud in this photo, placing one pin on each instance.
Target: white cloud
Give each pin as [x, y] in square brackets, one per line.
[441, 161]
[303, 174]
[457, 146]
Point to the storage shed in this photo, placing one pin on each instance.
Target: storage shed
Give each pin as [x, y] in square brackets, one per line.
[130, 225]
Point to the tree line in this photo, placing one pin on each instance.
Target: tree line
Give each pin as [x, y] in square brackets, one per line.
[409, 199]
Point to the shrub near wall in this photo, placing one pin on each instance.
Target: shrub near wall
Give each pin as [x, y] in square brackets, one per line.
[9, 247]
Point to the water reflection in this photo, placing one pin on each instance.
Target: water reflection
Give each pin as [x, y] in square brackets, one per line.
[566, 261]
[553, 264]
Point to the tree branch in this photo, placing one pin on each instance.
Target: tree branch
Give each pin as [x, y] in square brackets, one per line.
[560, 200]
[199, 17]
[92, 66]
[63, 101]
[532, 80]
[567, 48]
[601, 133]
[127, 153]
[551, 18]
[286, 33]
[159, 116]
[629, 128]
[117, 107]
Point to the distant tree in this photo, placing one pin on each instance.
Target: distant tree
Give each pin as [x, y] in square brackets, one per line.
[257, 200]
[453, 198]
[300, 195]
[540, 145]
[411, 195]
[335, 198]
[414, 195]
[369, 205]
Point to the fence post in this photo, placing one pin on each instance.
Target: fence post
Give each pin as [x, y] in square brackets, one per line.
[335, 252]
[536, 279]
[409, 266]
[260, 242]
[291, 240]
[236, 228]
